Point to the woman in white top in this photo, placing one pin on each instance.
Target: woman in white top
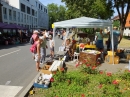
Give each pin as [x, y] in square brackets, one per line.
[51, 42]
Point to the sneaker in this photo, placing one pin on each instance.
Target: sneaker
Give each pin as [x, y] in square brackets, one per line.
[41, 63]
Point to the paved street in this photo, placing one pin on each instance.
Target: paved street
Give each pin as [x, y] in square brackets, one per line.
[17, 67]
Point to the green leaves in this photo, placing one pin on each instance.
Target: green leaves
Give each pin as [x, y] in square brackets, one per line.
[116, 23]
[56, 13]
[89, 8]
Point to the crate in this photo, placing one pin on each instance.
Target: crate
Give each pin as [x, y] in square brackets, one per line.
[52, 68]
[111, 53]
[109, 59]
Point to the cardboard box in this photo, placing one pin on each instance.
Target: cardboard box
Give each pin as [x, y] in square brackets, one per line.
[128, 57]
[109, 59]
[52, 68]
[111, 53]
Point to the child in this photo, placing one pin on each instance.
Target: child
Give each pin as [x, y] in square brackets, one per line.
[51, 42]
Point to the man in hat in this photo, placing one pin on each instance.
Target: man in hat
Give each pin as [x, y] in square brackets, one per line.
[43, 47]
[116, 38]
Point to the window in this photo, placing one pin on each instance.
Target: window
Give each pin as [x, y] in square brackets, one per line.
[25, 18]
[33, 12]
[28, 10]
[22, 7]
[14, 15]
[21, 17]
[36, 13]
[36, 3]
[5, 12]
[36, 20]
[39, 6]
[10, 14]
[30, 20]
[18, 16]
[44, 10]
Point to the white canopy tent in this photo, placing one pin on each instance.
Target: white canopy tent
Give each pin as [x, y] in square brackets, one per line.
[84, 22]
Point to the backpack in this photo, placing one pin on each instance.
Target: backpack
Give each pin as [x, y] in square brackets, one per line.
[33, 48]
[31, 41]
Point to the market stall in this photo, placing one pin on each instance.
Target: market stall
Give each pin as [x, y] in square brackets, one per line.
[84, 22]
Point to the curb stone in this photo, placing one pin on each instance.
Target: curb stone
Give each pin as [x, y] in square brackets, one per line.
[26, 90]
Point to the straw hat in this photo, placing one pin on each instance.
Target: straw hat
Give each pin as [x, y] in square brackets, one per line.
[115, 27]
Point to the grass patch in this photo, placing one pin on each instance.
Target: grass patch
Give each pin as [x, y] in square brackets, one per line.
[123, 44]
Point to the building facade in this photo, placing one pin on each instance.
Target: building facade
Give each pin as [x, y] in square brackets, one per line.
[31, 14]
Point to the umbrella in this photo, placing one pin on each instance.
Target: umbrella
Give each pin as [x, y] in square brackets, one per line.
[11, 26]
[3, 24]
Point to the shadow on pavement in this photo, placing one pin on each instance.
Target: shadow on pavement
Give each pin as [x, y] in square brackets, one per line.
[13, 45]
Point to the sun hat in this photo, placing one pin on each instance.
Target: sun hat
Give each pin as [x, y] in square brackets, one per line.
[114, 27]
[35, 31]
[50, 36]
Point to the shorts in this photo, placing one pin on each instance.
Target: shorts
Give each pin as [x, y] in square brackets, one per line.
[99, 44]
[37, 59]
[52, 49]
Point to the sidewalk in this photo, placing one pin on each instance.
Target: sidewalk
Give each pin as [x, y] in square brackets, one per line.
[113, 68]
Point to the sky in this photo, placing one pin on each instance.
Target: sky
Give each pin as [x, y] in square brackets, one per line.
[46, 2]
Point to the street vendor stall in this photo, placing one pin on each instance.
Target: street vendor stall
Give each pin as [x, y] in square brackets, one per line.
[83, 22]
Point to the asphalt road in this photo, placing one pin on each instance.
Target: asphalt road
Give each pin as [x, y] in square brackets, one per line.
[17, 68]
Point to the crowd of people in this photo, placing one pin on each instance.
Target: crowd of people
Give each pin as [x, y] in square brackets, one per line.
[39, 46]
[116, 39]
[40, 41]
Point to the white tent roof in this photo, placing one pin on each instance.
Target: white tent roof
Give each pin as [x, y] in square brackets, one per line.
[83, 22]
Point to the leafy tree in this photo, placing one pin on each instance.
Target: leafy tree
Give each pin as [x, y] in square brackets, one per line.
[120, 6]
[56, 13]
[116, 23]
[61, 13]
[89, 8]
[98, 9]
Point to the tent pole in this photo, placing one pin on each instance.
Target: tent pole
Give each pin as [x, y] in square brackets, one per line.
[112, 43]
[54, 36]
[54, 32]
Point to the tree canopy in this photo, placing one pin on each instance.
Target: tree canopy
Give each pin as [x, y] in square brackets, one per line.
[56, 13]
[102, 9]
[89, 8]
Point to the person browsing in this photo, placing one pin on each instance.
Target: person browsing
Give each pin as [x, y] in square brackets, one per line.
[51, 42]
